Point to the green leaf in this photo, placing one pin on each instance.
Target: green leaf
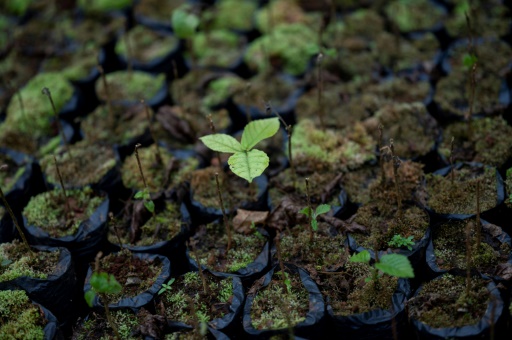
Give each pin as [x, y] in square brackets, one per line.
[258, 130]
[150, 206]
[395, 265]
[105, 283]
[184, 23]
[89, 297]
[363, 257]
[314, 224]
[222, 143]
[306, 211]
[139, 195]
[469, 60]
[322, 209]
[249, 164]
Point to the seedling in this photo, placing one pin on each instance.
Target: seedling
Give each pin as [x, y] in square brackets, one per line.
[103, 284]
[245, 162]
[381, 158]
[116, 231]
[46, 92]
[390, 149]
[269, 110]
[212, 129]
[166, 287]
[68, 209]
[144, 194]
[313, 215]
[184, 24]
[107, 94]
[320, 85]
[158, 155]
[285, 279]
[192, 246]
[396, 265]
[224, 215]
[398, 241]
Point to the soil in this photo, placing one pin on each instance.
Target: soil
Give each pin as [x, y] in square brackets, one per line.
[272, 306]
[449, 240]
[135, 275]
[212, 243]
[357, 183]
[48, 210]
[265, 88]
[156, 9]
[79, 164]
[442, 302]
[460, 198]
[16, 262]
[348, 292]
[188, 289]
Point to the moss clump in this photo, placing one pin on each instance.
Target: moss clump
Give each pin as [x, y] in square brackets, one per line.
[9, 176]
[283, 12]
[415, 15]
[264, 87]
[297, 45]
[97, 327]
[492, 56]
[271, 304]
[17, 263]
[103, 6]
[83, 164]
[157, 10]
[48, 210]
[213, 244]
[158, 176]
[146, 45]
[19, 318]
[400, 90]
[126, 86]
[75, 65]
[219, 48]
[331, 150]
[443, 303]
[36, 117]
[208, 306]
[126, 124]
[232, 15]
[490, 141]
[459, 198]
[221, 89]
[382, 222]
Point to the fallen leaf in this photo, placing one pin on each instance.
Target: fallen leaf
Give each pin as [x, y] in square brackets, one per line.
[244, 218]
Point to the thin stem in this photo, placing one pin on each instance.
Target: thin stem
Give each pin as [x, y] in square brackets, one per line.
[452, 172]
[224, 215]
[320, 85]
[68, 208]
[310, 210]
[129, 53]
[247, 106]
[116, 231]
[396, 165]
[46, 92]
[107, 94]
[137, 146]
[212, 129]
[104, 298]
[281, 264]
[158, 155]
[13, 217]
[478, 222]
[199, 267]
[381, 159]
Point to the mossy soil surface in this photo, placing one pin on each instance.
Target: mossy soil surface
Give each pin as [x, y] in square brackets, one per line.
[19, 318]
[186, 301]
[129, 86]
[211, 248]
[17, 261]
[443, 302]
[10, 173]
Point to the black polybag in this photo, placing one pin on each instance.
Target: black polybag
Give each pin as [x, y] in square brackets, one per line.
[55, 292]
[135, 302]
[310, 328]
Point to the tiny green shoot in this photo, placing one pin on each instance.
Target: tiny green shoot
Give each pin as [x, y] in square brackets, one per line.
[184, 23]
[146, 197]
[399, 241]
[321, 209]
[469, 59]
[245, 162]
[392, 264]
[166, 287]
[101, 283]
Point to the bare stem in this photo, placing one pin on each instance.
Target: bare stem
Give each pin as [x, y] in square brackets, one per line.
[320, 82]
[46, 92]
[68, 208]
[199, 267]
[281, 264]
[396, 165]
[129, 54]
[107, 94]
[452, 172]
[478, 222]
[158, 155]
[116, 231]
[224, 215]
[247, 106]
[381, 159]
[137, 146]
[212, 129]
[310, 210]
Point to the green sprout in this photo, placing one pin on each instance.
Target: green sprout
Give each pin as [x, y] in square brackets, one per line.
[245, 162]
[399, 241]
[102, 283]
[166, 287]
[321, 209]
[469, 59]
[184, 23]
[392, 264]
[146, 197]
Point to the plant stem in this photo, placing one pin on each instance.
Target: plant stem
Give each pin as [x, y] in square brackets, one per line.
[310, 210]
[199, 267]
[68, 208]
[46, 92]
[281, 264]
[396, 165]
[478, 222]
[114, 225]
[137, 146]
[224, 215]
[452, 172]
[212, 129]
[320, 82]
[158, 155]
[129, 53]
[247, 107]
[13, 217]
[104, 298]
[381, 159]
[107, 94]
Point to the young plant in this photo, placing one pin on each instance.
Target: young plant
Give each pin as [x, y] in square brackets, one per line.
[46, 92]
[313, 215]
[245, 162]
[144, 194]
[166, 287]
[398, 241]
[392, 264]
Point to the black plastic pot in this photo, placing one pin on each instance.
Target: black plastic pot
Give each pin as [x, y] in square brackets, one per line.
[55, 292]
[479, 330]
[51, 329]
[136, 302]
[84, 244]
[310, 328]
[375, 324]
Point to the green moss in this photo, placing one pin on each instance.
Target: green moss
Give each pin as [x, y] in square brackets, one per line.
[48, 210]
[16, 7]
[37, 114]
[283, 12]
[413, 15]
[96, 326]
[442, 302]
[155, 173]
[19, 318]
[297, 45]
[264, 87]
[74, 66]
[133, 86]
[17, 263]
[103, 5]
[220, 48]
[145, 44]
[271, 304]
[232, 14]
[219, 90]
[9, 176]
[84, 164]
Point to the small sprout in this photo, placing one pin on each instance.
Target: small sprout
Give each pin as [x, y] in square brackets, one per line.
[245, 162]
[392, 264]
[321, 209]
[183, 22]
[166, 287]
[103, 283]
[146, 197]
[398, 241]
[469, 59]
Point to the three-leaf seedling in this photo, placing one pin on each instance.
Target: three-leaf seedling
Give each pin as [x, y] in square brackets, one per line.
[392, 264]
[399, 241]
[313, 215]
[245, 162]
[166, 287]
